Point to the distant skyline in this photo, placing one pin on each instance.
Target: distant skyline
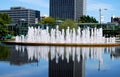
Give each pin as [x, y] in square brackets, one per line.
[93, 7]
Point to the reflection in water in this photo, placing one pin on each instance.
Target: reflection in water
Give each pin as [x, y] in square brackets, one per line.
[63, 61]
[4, 53]
[74, 53]
[63, 68]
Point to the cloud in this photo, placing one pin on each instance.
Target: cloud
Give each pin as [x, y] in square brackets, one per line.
[100, 5]
[41, 3]
[95, 5]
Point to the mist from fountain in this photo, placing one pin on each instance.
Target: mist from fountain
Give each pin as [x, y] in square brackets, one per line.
[78, 36]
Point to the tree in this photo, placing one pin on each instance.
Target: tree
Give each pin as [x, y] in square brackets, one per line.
[67, 23]
[4, 19]
[48, 20]
[87, 19]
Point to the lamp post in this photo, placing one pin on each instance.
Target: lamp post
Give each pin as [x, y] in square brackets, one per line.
[100, 13]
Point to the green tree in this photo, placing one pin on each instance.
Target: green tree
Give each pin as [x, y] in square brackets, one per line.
[67, 23]
[48, 20]
[87, 19]
[4, 19]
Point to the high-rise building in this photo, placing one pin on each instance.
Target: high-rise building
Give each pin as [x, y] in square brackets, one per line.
[20, 13]
[67, 9]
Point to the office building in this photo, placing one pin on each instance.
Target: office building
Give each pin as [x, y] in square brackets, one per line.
[115, 20]
[22, 14]
[67, 9]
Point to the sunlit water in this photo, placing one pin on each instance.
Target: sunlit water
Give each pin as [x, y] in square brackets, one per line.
[46, 61]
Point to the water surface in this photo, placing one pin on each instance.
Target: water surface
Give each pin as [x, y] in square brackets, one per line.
[46, 61]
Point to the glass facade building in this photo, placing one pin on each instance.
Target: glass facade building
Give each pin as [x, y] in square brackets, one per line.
[20, 13]
[67, 9]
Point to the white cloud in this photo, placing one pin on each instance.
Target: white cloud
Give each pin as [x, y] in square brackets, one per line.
[100, 5]
[95, 5]
[41, 3]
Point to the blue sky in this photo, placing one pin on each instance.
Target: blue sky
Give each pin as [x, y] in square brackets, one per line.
[92, 7]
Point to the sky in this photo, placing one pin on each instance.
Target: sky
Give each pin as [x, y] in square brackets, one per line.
[93, 7]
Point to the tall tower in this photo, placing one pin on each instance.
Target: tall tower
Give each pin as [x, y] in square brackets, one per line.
[67, 9]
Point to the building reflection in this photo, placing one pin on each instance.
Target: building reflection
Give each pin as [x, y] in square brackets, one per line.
[67, 69]
[20, 58]
[116, 53]
[63, 61]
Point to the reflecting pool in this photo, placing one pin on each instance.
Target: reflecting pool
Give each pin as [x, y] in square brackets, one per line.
[50, 61]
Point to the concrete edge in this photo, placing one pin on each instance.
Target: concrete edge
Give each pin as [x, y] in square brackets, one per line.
[61, 44]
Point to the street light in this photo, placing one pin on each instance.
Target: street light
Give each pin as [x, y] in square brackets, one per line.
[100, 13]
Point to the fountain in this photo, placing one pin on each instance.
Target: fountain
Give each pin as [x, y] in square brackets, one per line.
[55, 37]
[37, 35]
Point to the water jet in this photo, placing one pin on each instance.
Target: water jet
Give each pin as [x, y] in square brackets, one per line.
[55, 37]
